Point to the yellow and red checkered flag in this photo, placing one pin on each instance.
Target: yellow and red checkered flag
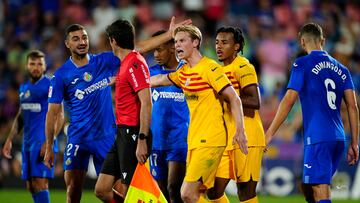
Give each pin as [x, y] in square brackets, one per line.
[143, 188]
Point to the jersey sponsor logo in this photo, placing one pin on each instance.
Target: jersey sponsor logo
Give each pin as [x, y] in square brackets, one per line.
[74, 81]
[176, 96]
[80, 94]
[33, 107]
[87, 77]
[328, 65]
[191, 97]
[131, 71]
[50, 91]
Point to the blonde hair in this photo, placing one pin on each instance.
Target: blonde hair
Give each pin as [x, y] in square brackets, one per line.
[192, 30]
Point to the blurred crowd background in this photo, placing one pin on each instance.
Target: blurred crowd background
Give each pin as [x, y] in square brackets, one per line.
[270, 28]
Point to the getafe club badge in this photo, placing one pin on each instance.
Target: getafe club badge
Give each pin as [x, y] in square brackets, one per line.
[27, 94]
[87, 77]
[187, 83]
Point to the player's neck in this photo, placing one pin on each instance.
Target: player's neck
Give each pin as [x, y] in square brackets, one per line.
[122, 53]
[313, 47]
[194, 58]
[172, 64]
[229, 60]
[80, 61]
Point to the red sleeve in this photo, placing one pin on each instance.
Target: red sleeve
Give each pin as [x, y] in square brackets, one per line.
[138, 75]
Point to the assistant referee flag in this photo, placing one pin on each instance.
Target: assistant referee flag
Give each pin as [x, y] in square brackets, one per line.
[143, 188]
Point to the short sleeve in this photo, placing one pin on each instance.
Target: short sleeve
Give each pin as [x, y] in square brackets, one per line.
[113, 62]
[297, 77]
[216, 78]
[138, 75]
[349, 84]
[174, 77]
[56, 89]
[246, 75]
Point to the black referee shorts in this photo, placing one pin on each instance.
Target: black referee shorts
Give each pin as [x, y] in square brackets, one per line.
[121, 160]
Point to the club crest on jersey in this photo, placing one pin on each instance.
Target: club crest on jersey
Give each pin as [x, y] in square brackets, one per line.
[87, 77]
[27, 94]
[187, 82]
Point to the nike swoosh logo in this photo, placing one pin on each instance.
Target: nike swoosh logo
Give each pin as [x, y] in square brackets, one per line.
[295, 65]
[307, 166]
[214, 69]
[242, 66]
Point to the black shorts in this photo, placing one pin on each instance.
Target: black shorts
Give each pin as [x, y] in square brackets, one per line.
[121, 160]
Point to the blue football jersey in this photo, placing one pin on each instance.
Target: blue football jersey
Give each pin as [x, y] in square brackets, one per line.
[87, 95]
[170, 115]
[320, 81]
[34, 105]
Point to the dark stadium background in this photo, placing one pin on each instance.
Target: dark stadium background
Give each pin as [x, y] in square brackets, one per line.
[270, 27]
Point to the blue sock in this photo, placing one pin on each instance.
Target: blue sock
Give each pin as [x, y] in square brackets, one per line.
[41, 196]
[324, 201]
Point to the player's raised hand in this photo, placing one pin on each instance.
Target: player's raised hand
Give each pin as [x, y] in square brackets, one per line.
[6, 150]
[49, 157]
[174, 25]
[241, 140]
[353, 154]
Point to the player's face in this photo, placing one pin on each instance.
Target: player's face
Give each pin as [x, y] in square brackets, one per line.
[184, 45]
[78, 43]
[36, 67]
[225, 46]
[163, 53]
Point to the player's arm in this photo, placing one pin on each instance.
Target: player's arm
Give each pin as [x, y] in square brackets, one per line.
[145, 117]
[160, 80]
[14, 130]
[231, 97]
[54, 111]
[250, 97]
[284, 108]
[353, 112]
[149, 44]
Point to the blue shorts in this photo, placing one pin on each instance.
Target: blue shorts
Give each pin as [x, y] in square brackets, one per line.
[159, 161]
[321, 161]
[77, 155]
[33, 165]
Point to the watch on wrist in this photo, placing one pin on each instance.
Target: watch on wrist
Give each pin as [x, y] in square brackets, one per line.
[142, 136]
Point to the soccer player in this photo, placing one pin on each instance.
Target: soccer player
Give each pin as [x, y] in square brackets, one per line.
[244, 169]
[204, 85]
[33, 108]
[321, 83]
[169, 126]
[83, 83]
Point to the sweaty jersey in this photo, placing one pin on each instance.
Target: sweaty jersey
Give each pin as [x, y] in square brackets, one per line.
[132, 77]
[34, 105]
[170, 115]
[242, 73]
[201, 85]
[87, 96]
[320, 81]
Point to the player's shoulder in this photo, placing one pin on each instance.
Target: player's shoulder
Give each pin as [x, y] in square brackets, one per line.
[300, 61]
[65, 68]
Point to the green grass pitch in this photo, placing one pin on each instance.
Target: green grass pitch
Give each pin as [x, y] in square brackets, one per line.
[59, 196]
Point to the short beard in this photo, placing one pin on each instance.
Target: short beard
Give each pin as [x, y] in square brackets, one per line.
[221, 60]
[80, 55]
[34, 78]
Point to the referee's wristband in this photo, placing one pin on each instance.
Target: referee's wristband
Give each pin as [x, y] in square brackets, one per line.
[142, 136]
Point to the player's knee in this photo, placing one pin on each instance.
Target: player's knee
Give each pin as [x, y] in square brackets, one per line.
[38, 185]
[246, 190]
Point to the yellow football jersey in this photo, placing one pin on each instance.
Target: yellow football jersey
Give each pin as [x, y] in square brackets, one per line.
[242, 73]
[200, 84]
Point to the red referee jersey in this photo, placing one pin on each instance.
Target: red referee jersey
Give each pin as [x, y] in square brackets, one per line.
[132, 77]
